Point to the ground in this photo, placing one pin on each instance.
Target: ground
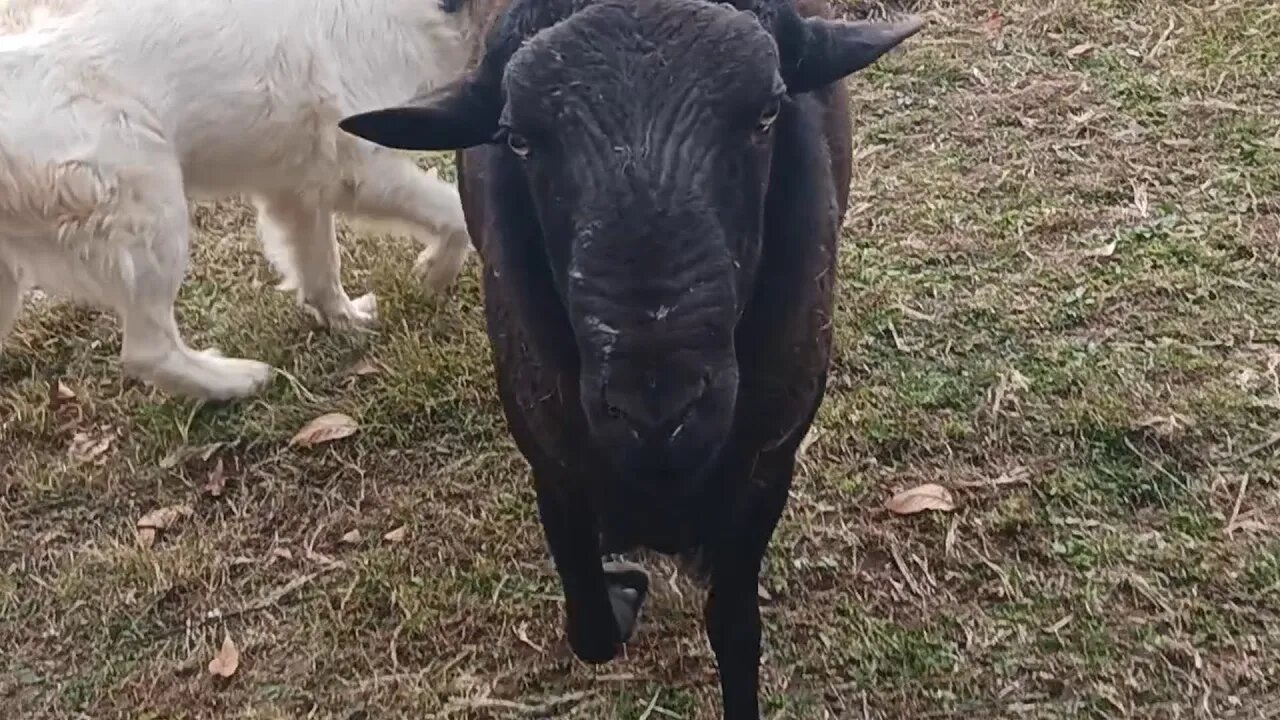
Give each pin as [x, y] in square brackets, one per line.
[1059, 298]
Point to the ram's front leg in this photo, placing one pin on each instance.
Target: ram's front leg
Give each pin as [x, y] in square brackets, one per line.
[733, 610]
[602, 601]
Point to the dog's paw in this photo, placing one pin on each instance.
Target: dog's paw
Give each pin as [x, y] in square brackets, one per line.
[345, 314]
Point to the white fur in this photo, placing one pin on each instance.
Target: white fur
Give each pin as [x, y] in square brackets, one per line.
[114, 112]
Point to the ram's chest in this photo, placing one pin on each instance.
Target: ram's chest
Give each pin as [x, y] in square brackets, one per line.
[539, 397]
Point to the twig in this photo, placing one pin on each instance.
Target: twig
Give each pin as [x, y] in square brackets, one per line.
[1016, 476]
[275, 599]
[1160, 43]
[906, 572]
[1139, 583]
[536, 710]
[1274, 439]
[1230, 527]
[297, 385]
[653, 702]
[1154, 464]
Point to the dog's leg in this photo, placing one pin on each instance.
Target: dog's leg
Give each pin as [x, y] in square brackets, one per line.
[301, 242]
[276, 247]
[391, 189]
[10, 298]
[143, 288]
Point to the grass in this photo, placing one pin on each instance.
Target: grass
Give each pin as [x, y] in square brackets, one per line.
[1107, 421]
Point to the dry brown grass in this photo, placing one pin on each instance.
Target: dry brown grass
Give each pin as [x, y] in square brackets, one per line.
[1108, 423]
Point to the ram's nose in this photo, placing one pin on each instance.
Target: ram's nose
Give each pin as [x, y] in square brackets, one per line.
[653, 418]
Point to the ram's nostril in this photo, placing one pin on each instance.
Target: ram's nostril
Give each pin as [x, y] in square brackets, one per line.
[653, 418]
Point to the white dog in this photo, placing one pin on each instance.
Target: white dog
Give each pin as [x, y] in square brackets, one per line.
[114, 112]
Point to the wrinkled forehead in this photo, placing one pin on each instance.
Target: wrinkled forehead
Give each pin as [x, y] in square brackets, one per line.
[625, 51]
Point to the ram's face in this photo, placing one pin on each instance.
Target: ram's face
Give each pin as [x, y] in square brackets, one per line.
[644, 131]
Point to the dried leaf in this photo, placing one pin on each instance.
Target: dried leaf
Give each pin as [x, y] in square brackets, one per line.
[326, 428]
[1141, 200]
[282, 553]
[994, 24]
[165, 517]
[352, 538]
[320, 558]
[919, 499]
[182, 454]
[217, 481]
[1247, 524]
[174, 458]
[362, 367]
[1011, 383]
[809, 438]
[1100, 252]
[157, 520]
[61, 393]
[227, 661]
[1166, 426]
[1080, 50]
[763, 593]
[89, 448]
[396, 535]
[522, 633]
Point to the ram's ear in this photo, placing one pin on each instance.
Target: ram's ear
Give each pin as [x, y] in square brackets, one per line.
[829, 50]
[456, 116]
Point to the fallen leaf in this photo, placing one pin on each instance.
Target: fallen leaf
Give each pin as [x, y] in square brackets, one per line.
[1141, 200]
[1080, 50]
[522, 633]
[49, 536]
[227, 661]
[157, 520]
[326, 428]
[1166, 426]
[1011, 383]
[809, 438]
[165, 517]
[396, 535]
[994, 24]
[217, 481]
[89, 448]
[321, 558]
[1249, 525]
[282, 553]
[182, 454]
[362, 367]
[352, 538]
[61, 393]
[1101, 252]
[919, 499]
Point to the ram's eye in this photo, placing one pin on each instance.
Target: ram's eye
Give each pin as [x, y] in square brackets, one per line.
[767, 118]
[518, 143]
